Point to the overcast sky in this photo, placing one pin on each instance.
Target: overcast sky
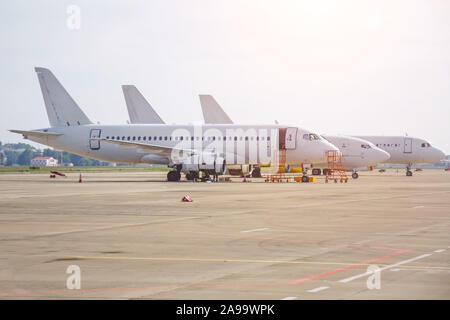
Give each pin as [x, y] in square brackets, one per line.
[337, 67]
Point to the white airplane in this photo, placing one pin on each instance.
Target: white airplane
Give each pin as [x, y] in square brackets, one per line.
[185, 148]
[357, 154]
[406, 150]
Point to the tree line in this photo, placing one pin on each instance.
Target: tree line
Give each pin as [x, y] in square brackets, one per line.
[22, 154]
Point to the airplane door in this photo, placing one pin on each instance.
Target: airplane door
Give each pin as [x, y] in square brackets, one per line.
[291, 138]
[95, 144]
[407, 146]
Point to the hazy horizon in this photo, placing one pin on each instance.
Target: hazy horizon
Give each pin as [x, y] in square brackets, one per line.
[335, 67]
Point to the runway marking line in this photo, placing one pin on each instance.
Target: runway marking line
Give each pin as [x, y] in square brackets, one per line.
[289, 298]
[439, 250]
[385, 268]
[239, 261]
[254, 230]
[317, 289]
[320, 275]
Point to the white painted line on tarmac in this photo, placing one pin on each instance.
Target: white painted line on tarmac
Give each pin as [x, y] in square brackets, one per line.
[254, 230]
[384, 268]
[418, 207]
[439, 250]
[317, 289]
[289, 298]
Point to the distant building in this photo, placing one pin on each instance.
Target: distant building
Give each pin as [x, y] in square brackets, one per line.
[44, 162]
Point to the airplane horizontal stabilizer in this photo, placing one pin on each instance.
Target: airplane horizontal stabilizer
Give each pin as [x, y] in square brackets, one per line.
[39, 134]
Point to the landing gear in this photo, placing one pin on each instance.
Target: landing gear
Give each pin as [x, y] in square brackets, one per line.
[305, 179]
[316, 172]
[173, 175]
[355, 175]
[256, 172]
[193, 175]
[325, 172]
[408, 171]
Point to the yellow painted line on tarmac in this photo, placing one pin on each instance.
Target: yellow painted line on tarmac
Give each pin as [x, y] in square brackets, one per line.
[237, 260]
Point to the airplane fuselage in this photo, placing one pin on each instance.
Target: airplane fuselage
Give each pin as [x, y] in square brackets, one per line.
[406, 150]
[240, 144]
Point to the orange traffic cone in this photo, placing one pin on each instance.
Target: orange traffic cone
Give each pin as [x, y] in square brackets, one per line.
[80, 180]
[186, 199]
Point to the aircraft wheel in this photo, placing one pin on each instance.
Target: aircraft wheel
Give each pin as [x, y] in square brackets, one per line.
[325, 172]
[256, 173]
[409, 173]
[173, 175]
[316, 172]
[355, 175]
[305, 179]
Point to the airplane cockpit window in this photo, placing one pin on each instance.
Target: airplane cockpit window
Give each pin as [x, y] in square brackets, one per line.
[426, 145]
[366, 146]
[311, 136]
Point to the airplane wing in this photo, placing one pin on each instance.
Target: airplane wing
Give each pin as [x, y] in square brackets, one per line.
[150, 148]
[39, 134]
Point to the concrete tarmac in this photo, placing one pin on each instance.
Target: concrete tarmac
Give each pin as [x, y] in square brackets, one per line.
[133, 238]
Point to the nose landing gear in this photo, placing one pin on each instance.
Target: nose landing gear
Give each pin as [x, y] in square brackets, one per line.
[408, 171]
[355, 175]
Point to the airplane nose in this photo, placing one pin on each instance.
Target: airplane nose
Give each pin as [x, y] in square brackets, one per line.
[439, 154]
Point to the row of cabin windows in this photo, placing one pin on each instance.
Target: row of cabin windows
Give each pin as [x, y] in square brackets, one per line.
[181, 138]
[424, 145]
[388, 145]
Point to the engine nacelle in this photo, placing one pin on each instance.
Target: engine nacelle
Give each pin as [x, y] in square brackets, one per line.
[239, 170]
[192, 164]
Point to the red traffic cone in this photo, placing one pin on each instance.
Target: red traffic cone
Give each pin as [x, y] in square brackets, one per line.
[186, 199]
[80, 180]
[245, 179]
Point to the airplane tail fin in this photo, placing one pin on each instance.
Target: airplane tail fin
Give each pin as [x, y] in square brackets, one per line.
[62, 110]
[139, 110]
[212, 112]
